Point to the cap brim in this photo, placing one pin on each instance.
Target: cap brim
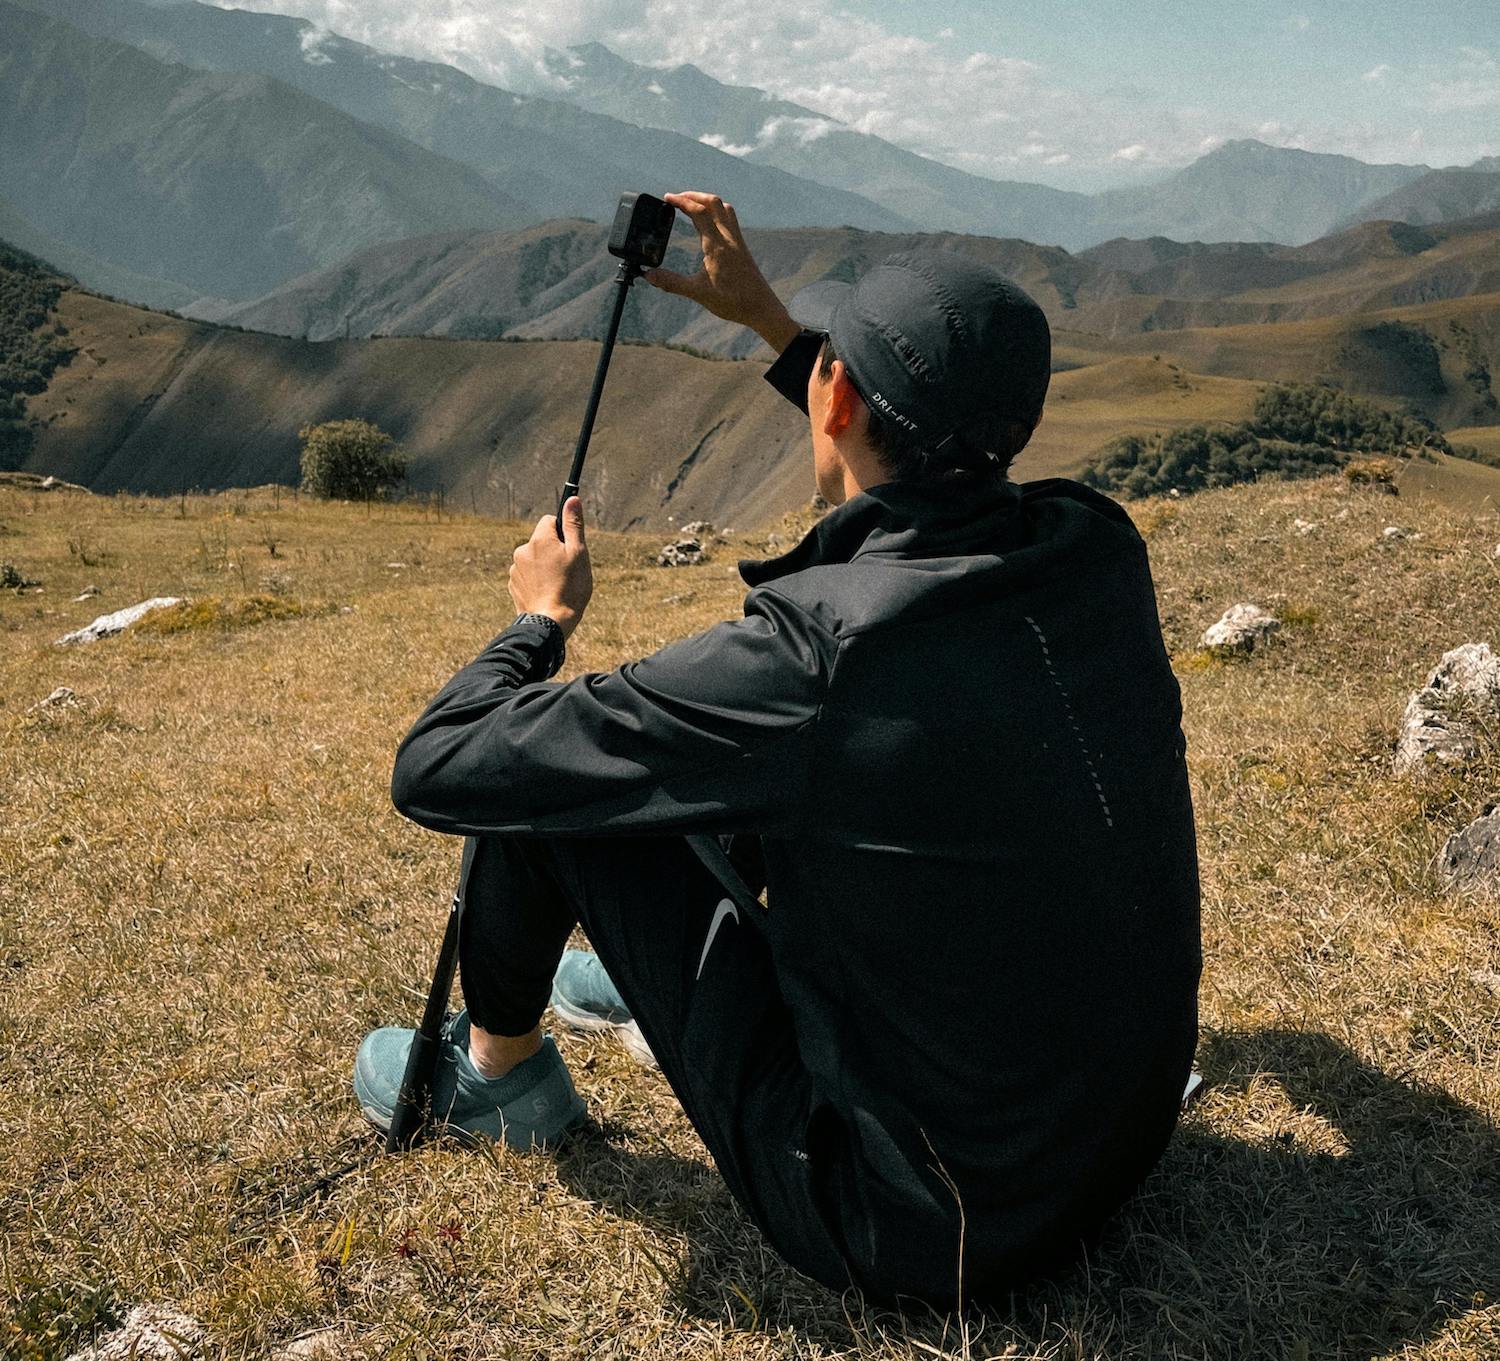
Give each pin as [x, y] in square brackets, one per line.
[813, 306]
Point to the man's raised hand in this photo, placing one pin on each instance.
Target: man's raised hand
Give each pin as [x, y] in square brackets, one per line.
[551, 576]
[728, 282]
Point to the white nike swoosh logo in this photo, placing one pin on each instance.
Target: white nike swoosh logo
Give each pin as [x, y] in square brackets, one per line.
[726, 909]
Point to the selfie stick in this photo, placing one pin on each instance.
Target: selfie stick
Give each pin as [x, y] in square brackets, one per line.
[414, 1105]
[629, 273]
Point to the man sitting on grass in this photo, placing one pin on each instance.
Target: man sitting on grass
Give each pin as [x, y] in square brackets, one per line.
[944, 739]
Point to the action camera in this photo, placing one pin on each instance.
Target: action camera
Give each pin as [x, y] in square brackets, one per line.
[643, 227]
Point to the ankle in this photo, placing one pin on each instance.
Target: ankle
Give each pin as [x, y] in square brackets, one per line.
[495, 1055]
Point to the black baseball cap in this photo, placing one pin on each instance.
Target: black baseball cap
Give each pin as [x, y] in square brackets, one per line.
[937, 343]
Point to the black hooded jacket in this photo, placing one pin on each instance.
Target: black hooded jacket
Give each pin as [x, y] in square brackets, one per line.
[950, 720]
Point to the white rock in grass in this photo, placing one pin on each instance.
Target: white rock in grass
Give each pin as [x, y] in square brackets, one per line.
[1471, 858]
[1240, 629]
[685, 552]
[1399, 532]
[1305, 527]
[107, 625]
[61, 698]
[1438, 725]
[151, 1332]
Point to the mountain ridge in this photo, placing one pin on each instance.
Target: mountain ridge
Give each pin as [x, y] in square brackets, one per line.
[122, 157]
[580, 151]
[550, 158]
[551, 281]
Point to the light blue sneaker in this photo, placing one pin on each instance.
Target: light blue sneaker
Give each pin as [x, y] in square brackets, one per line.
[584, 998]
[532, 1106]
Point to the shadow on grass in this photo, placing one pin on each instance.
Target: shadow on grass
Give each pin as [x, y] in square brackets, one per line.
[1234, 1248]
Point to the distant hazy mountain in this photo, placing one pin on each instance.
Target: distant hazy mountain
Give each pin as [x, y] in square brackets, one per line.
[1244, 191]
[226, 184]
[1248, 191]
[105, 278]
[762, 129]
[167, 182]
[1442, 196]
[554, 159]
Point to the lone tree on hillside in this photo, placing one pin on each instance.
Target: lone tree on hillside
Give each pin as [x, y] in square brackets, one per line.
[352, 460]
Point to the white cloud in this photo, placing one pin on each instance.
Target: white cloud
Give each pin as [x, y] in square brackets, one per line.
[992, 113]
[1377, 72]
[934, 96]
[805, 130]
[1299, 23]
[1473, 82]
[312, 46]
[725, 145]
[655, 88]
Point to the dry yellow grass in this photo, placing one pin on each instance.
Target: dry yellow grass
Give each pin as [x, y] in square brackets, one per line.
[1485, 437]
[1138, 395]
[206, 898]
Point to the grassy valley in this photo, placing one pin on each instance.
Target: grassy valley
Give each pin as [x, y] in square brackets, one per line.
[159, 403]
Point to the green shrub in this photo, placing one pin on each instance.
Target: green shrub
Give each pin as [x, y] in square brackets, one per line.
[1199, 456]
[350, 460]
[1311, 413]
[1296, 430]
[30, 350]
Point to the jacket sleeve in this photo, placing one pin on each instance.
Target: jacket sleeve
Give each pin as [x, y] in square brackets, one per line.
[793, 367]
[709, 734]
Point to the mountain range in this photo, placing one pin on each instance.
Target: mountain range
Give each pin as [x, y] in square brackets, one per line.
[471, 154]
[552, 282]
[178, 150]
[1242, 191]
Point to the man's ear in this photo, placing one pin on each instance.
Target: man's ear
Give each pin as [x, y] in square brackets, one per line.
[844, 401]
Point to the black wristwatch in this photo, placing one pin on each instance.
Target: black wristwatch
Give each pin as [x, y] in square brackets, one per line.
[557, 650]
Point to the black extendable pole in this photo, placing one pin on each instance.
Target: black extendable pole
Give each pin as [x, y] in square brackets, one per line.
[409, 1121]
[628, 274]
[414, 1104]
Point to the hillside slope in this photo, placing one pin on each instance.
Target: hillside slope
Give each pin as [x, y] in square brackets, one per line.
[1358, 287]
[552, 158]
[225, 184]
[106, 278]
[154, 403]
[553, 281]
[547, 280]
[157, 403]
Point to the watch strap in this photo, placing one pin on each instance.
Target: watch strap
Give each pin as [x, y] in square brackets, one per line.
[557, 651]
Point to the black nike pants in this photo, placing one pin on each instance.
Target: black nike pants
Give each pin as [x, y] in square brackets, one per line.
[709, 1008]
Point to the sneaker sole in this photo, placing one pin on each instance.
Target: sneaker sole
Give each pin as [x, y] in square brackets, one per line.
[629, 1032]
[452, 1129]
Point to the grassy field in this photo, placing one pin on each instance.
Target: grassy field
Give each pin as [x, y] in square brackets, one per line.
[206, 898]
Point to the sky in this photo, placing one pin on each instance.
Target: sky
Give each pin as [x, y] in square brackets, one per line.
[1083, 95]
